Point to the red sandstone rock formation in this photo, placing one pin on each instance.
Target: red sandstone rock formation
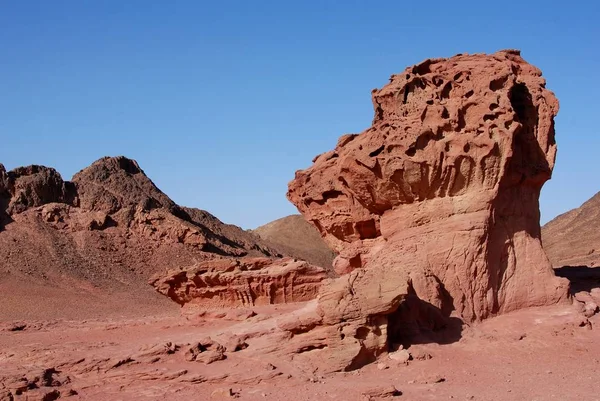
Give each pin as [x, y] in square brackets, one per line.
[231, 282]
[434, 209]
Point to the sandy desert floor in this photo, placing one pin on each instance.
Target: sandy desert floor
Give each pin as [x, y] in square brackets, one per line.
[550, 353]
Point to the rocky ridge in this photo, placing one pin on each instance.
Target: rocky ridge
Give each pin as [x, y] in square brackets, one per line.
[105, 232]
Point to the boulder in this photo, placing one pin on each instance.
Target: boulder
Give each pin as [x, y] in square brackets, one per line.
[205, 351]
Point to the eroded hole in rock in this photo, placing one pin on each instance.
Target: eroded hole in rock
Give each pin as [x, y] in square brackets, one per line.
[377, 170]
[377, 151]
[422, 69]
[411, 87]
[367, 229]
[311, 348]
[355, 261]
[446, 91]
[423, 140]
[341, 231]
[528, 162]
[445, 113]
[328, 195]
[552, 134]
[461, 123]
[498, 83]
[522, 104]
[469, 94]
[378, 112]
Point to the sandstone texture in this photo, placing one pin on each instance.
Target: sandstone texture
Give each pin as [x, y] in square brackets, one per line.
[296, 237]
[433, 209]
[245, 282]
[88, 246]
[572, 239]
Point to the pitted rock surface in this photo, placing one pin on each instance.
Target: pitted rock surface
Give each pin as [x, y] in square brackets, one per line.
[434, 209]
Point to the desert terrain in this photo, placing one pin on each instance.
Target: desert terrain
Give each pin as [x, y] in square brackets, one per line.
[417, 269]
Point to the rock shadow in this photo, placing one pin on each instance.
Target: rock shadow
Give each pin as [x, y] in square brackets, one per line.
[419, 322]
[581, 278]
[4, 220]
[515, 210]
[4, 217]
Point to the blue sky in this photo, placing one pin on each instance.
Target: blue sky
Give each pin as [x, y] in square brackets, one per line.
[220, 102]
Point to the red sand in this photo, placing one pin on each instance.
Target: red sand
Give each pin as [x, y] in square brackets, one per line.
[534, 354]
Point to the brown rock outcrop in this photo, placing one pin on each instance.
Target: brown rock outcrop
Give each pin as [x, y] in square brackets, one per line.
[113, 183]
[33, 186]
[434, 209]
[233, 282]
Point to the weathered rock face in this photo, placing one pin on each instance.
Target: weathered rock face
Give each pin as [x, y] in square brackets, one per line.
[436, 205]
[113, 183]
[116, 187]
[33, 186]
[231, 282]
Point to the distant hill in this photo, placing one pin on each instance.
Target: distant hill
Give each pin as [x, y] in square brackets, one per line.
[573, 238]
[86, 247]
[294, 236]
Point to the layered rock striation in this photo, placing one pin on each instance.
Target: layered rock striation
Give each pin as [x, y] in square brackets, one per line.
[241, 282]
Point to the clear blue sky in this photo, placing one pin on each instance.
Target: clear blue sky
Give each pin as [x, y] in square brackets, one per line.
[220, 102]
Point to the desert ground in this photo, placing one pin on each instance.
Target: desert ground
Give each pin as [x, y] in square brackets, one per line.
[547, 353]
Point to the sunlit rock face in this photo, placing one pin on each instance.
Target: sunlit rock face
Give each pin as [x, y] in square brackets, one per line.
[434, 208]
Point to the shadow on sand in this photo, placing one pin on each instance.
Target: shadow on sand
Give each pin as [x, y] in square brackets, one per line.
[582, 278]
[419, 322]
